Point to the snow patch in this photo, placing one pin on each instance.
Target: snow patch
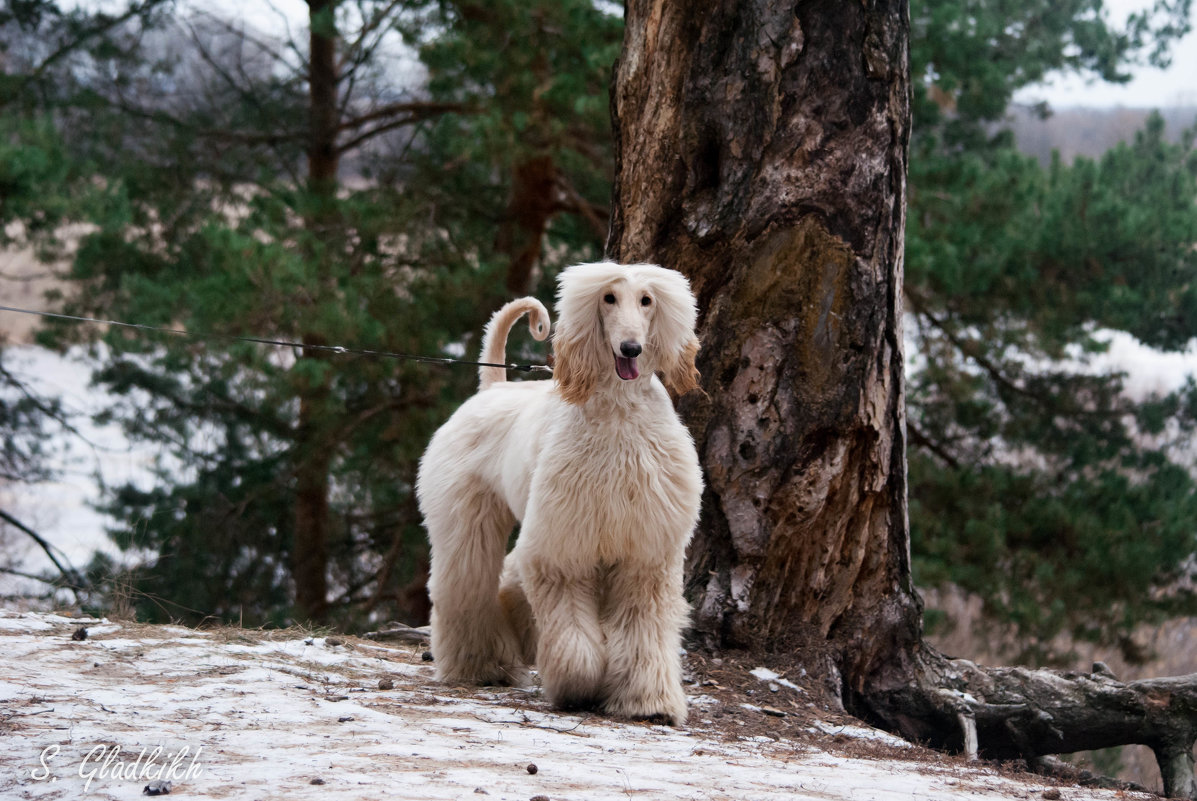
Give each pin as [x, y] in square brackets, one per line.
[764, 674]
[42, 621]
[300, 718]
[861, 733]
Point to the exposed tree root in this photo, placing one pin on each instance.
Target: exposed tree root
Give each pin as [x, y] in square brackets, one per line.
[1021, 713]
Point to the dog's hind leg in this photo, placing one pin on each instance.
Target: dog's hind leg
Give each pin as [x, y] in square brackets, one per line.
[472, 640]
[643, 620]
[570, 654]
[515, 605]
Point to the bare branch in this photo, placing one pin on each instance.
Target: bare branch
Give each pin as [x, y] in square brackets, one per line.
[377, 130]
[241, 32]
[372, 26]
[75, 581]
[228, 135]
[917, 437]
[31, 576]
[300, 56]
[593, 213]
[238, 87]
[111, 23]
[969, 349]
[416, 110]
[40, 404]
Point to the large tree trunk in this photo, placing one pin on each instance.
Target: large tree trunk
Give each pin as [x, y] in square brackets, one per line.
[761, 150]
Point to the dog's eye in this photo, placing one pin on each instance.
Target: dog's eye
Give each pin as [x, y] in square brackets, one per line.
[608, 298]
[646, 301]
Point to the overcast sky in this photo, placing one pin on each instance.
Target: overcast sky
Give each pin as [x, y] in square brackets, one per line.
[1150, 88]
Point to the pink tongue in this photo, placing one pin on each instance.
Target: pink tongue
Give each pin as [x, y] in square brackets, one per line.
[626, 368]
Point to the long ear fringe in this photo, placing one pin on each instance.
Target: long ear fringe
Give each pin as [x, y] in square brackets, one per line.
[575, 379]
[674, 328]
[577, 341]
[682, 375]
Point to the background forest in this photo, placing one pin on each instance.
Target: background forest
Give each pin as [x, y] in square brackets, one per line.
[381, 174]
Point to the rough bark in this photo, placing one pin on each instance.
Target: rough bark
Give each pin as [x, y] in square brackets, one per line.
[761, 150]
[312, 462]
[1017, 713]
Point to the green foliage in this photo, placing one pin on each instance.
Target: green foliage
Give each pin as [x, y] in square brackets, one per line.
[533, 80]
[203, 219]
[1038, 479]
[220, 517]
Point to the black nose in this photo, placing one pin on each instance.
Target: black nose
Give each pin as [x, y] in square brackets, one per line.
[630, 349]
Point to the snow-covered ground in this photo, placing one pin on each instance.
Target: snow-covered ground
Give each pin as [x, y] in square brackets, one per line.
[254, 715]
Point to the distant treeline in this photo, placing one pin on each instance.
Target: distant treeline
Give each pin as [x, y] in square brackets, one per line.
[1089, 131]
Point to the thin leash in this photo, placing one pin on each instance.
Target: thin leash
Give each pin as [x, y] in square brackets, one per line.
[282, 343]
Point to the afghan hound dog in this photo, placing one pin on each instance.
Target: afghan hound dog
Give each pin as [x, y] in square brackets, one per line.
[604, 481]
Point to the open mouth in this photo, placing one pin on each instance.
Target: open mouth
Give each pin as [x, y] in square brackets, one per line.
[625, 367]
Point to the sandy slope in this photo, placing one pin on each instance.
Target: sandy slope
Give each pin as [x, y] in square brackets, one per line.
[259, 716]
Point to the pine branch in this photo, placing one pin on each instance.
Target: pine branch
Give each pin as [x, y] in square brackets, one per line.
[969, 349]
[593, 213]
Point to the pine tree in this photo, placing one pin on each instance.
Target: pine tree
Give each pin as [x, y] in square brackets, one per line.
[1039, 481]
[283, 488]
[42, 188]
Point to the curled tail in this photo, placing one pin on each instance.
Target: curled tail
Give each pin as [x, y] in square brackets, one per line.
[494, 340]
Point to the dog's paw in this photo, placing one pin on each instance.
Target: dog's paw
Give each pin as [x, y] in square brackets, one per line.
[669, 709]
[575, 703]
[572, 693]
[509, 676]
[484, 676]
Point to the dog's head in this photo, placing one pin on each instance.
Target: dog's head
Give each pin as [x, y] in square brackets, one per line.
[626, 322]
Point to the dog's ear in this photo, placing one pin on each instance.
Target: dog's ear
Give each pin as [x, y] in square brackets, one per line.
[577, 343]
[674, 329]
[575, 378]
[682, 375]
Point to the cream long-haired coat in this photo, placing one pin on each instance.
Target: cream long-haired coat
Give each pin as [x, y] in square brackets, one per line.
[604, 480]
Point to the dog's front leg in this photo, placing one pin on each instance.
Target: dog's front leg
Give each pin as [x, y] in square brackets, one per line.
[570, 653]
[644, 619]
